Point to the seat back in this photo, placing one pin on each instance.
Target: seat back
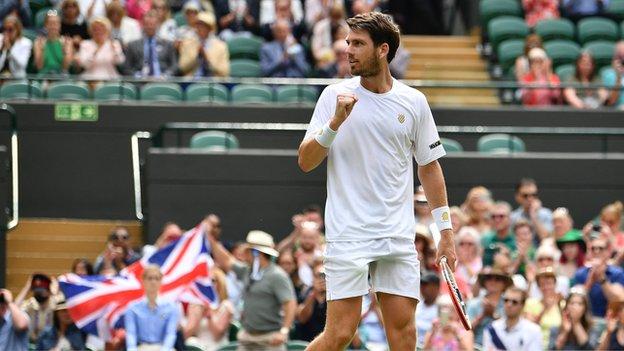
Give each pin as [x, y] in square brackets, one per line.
[245, 48]
[601, 51]
[597, 28]
[74, 91]
[115, 91]
[245, 68]
[559, 28]
[202, 92]
[508, 52]
[20, 90]
[562, 52]
[296, 93]
[214, 140]
[489, 9]
[451, 145]
[252, 93]
[506, 27]
[495, 143]
[163, 92]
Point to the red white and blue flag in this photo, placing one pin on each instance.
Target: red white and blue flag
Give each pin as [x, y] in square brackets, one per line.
[97, 303]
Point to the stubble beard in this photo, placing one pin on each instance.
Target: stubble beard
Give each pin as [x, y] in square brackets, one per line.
[372, 68]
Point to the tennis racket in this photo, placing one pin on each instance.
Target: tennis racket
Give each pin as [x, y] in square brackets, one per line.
[456, 297]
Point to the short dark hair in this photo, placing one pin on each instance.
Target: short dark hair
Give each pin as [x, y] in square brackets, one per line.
[525, 182]
[523, 293]
[381, 29]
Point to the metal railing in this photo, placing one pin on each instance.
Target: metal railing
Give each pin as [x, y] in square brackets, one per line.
[14, 220]
[179, 127]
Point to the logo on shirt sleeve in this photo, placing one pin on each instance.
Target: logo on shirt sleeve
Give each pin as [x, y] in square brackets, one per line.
[436, 144]
[401, 118]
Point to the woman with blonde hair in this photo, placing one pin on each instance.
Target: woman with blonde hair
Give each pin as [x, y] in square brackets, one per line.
[468, 248]
[168, 27]
[611, 216]
[206, 326]
[100, 55]
[14, 48]
[477, 207]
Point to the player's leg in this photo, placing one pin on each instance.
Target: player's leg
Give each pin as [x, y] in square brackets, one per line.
[398, 317]
[396, 280]
[343, 317]
[346, 277]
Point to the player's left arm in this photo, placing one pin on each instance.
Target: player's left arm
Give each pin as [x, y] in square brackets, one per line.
[432, 180]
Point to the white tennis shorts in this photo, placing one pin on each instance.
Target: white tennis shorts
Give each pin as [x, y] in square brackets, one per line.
[391, 263]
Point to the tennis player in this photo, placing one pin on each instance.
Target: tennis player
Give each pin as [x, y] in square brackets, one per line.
[369, 128]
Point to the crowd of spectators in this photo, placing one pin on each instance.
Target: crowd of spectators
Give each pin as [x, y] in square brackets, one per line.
[531, 281]
[102, 40]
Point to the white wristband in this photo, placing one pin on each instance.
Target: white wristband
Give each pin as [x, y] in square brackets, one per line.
[326, 136]
[442, 218]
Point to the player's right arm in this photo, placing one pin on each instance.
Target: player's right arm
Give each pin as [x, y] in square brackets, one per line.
[311, 152]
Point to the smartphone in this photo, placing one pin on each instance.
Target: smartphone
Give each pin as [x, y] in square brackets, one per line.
[597, 228]
[444, 316]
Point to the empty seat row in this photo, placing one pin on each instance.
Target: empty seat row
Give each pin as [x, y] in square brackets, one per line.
[497, 143]
[162, 92]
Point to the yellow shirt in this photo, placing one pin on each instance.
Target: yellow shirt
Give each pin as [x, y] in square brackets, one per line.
[552, 317]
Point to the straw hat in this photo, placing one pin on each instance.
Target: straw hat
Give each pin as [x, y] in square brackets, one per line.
[262, 241]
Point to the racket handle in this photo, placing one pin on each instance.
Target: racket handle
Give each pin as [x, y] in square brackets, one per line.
[443, 259]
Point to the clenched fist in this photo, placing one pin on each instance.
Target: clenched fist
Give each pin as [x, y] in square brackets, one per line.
[344, 106]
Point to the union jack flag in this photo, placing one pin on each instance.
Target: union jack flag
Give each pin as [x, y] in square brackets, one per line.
[97, 303]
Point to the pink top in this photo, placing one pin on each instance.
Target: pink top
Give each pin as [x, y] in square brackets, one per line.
[137, 8]
[100, 64]
[537, 10]
[438, 343]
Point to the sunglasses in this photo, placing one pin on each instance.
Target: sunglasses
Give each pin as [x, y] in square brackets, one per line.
[498, 216]
[511, 301]
[120, 237]
[528, 195]
[545, 259]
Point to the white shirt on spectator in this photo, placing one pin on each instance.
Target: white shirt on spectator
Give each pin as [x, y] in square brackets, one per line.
[267, 11]
[315, 10]
[18, 56]
[99, 9]
[524, 336]
[129, 30]
[425, 315]
[370, 170]
[168, 30]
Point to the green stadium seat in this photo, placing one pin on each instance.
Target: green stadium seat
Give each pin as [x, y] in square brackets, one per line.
[562, 52]
[203, 92]
[245, 68]
[75, 91]
[500, 143]
[162, 92]
[245, 48]
[507, 53]
[566, 72]
[296, 345]
[506, 27]
[20, 90]
[30, 34]
[36, 5]
[296, 93]
[550, 29]
[229, 347]
[489, 9]
[601, 51]
[597, 28]
[616, 9]
[451, 145]
[40, 17]
[115, 91]
[179, 18]
[252, 93]
[214, 140]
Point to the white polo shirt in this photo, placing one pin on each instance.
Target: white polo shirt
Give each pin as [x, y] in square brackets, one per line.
[524, 336]
[370, 177]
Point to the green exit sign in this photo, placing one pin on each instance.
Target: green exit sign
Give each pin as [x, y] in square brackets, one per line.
[76, 112]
